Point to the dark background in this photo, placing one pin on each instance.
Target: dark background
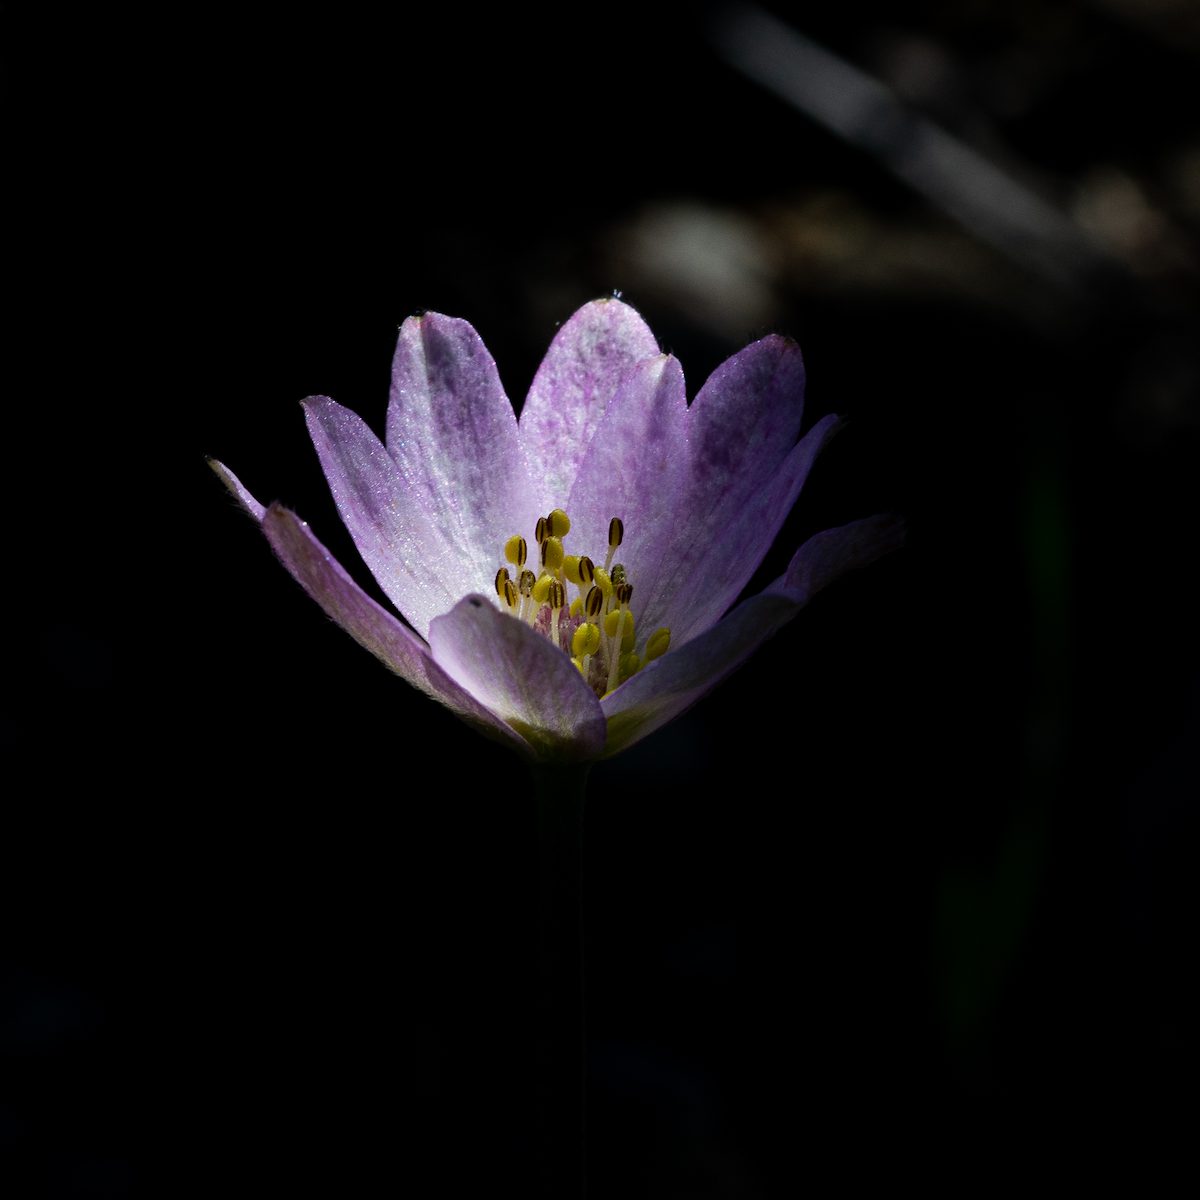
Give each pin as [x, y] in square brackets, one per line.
[904, 900]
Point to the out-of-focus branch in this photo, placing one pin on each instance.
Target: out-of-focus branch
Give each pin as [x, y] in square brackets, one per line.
[988, 201]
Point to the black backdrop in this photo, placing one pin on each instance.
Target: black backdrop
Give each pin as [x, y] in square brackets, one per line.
[903, 900]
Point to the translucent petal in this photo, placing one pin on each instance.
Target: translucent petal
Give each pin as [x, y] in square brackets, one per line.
[668, 686]
[422, 572]
[521, 677]
[453, 435]
[578, 377]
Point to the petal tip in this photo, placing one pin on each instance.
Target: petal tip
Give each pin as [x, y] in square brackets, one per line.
[237, 489]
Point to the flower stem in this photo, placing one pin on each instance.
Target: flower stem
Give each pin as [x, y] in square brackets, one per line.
[561, 1045]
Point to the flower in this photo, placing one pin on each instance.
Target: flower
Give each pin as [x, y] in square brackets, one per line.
[488, 534]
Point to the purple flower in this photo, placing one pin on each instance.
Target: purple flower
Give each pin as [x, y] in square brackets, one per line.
[564, 580]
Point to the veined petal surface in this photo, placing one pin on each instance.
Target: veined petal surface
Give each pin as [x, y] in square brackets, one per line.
[521, 677]
[635, 468]
[419, 569]
[453, 435]
[669, 685]
[724, 564]
[373, 627]
[578, 377]
[742, 426]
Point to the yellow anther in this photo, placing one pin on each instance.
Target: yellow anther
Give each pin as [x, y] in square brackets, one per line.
[511, 595]
[541, 590]
[616, 535]
[577, 607]
[614, 625]
[594, 602]
[659, 644]
[630, 664]
[501, 580]
[578, 666]
[585, 640]
[603, 582]
[570, 568]
[525, 584]
[587, 571]
[541, 530]
[618, 576]
[624, 593]
[559, 522]
[625, 620]
[516, 550]
[558, 601]
[552, 553]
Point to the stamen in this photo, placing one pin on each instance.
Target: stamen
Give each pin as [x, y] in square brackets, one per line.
[625, 620]
[658, 644]
[594, 601]
[584, 643]
[602, 624]
[617, 636]
[616, 535]
[552, 553]
[515, 550]
[585, 640]
[558, 600]
[525, 583]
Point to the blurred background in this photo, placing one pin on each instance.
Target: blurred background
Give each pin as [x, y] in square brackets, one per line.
[905, 899]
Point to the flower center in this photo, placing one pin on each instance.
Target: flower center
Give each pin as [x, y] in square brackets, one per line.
[596, 628]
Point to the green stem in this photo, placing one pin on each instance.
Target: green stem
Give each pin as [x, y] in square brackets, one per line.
[561, 1045]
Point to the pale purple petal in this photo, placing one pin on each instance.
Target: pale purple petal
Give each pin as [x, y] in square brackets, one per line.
[519, 675]
[578, 377]
[421, 572]
[373, 627]
[665, 688]
[725, 562]
[453, 435]
[746, 418]
[635, 469]
[742, 426]
[240, 492]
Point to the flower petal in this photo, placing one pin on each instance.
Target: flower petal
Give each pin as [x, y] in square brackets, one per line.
[723, 564]
[634, 468]
[578, 377]
[235, 485]
[669, 685]
[746, 417]
[453, 434]
[406, 551]
[373, 627]
[742, 426]
[519, 675]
